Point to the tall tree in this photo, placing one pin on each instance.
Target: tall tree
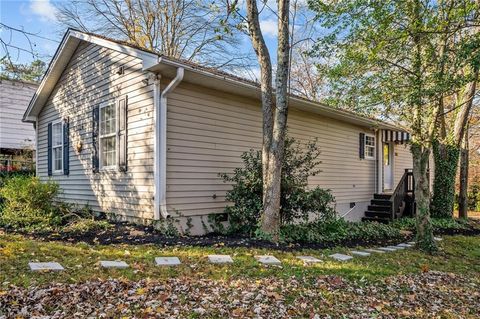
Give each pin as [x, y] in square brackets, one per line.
[463, 193]
[193, 30]
[274, 106]
[391, 50]
[464, 47]
[32, 72]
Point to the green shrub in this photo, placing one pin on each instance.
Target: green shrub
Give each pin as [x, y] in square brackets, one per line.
[333, 231]
[5, 175]
[297, 201]
[85, 225]
[473, 197]
[437, 224]
[29, 203]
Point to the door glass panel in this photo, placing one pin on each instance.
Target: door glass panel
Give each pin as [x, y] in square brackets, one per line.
[386, 154]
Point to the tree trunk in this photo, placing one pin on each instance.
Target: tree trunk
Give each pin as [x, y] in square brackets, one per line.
[446, 154]
[463, 195]
[422, 195]
[264, 61]
[274, 114]
[446, 160]
[272, 186]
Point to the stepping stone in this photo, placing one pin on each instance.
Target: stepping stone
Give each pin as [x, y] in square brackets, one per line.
[405, 245]
[220, 259]
[375, 251]
[45, 266]
[411, 243]
[167, 261]
[309, 259]
[387, 249]
[113, 264]
[341, 257]
[396, 247]
[268, 260]
[437, 239]
[360, 253]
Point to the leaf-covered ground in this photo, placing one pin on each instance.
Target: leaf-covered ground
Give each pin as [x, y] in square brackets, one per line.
[425, 295]
[401, 284]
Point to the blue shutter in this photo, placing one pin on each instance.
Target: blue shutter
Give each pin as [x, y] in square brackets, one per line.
[66, 147]
[49, 149]
[362, 145]
[122, 133]
[95, 132]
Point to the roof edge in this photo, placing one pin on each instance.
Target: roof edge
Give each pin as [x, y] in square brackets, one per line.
[61, 58]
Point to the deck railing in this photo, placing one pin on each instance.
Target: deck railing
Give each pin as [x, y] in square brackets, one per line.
[404, 187]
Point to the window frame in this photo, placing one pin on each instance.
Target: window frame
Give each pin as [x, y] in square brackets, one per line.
[101, 136]
[57, 171]
[366, 146]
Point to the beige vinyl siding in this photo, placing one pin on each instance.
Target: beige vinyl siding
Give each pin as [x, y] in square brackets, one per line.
[402, 161]
[14, 99]
[90, 79]
[208, 131]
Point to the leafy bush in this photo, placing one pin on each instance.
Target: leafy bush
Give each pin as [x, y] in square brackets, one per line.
[29, 203]
[297, 201]
[338, 230]
[6, 175]
[437, 224]
[473, 196]
[85, 225]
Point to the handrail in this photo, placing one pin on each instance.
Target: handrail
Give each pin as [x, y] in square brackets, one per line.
[404, 186]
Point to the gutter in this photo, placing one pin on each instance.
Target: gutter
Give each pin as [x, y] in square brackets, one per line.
[160, 143]
[294, 102]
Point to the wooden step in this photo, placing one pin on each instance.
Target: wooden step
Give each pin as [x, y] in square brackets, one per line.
[376, 219]
[382, 196]
[380, 208]
[386, 215]
[381, 202]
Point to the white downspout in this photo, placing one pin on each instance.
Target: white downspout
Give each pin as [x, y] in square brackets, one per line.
[36, 146]
[379, 162]
[160, 144]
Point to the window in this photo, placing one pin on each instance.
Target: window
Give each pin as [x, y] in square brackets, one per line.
[57, 146]
[108, 136]
[369, 146]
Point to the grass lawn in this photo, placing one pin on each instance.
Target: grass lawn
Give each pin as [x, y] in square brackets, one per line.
[289, 284]
[458, 254]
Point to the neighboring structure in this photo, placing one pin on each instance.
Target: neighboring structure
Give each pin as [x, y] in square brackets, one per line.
[130, 132]
[17, 139]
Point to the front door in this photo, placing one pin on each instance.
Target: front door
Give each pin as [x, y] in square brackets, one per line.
[387, 167]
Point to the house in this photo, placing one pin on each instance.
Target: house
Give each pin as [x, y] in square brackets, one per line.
[130, 132]
[17, 139]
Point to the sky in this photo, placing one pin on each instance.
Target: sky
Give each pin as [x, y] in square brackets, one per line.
[39, 18]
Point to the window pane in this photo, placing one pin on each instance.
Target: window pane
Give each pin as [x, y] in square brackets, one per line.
[369, 140]
[57, 134]
[369, 151]
[108, 149]
[108, 120]
[57, 158]
[386, 154]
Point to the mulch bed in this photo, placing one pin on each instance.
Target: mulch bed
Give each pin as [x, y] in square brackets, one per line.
[131, 234]
[425, 295]
[126, 233]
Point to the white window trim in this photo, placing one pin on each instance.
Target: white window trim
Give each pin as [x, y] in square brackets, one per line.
[57, 171]
[365, 146]
[100, 137]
